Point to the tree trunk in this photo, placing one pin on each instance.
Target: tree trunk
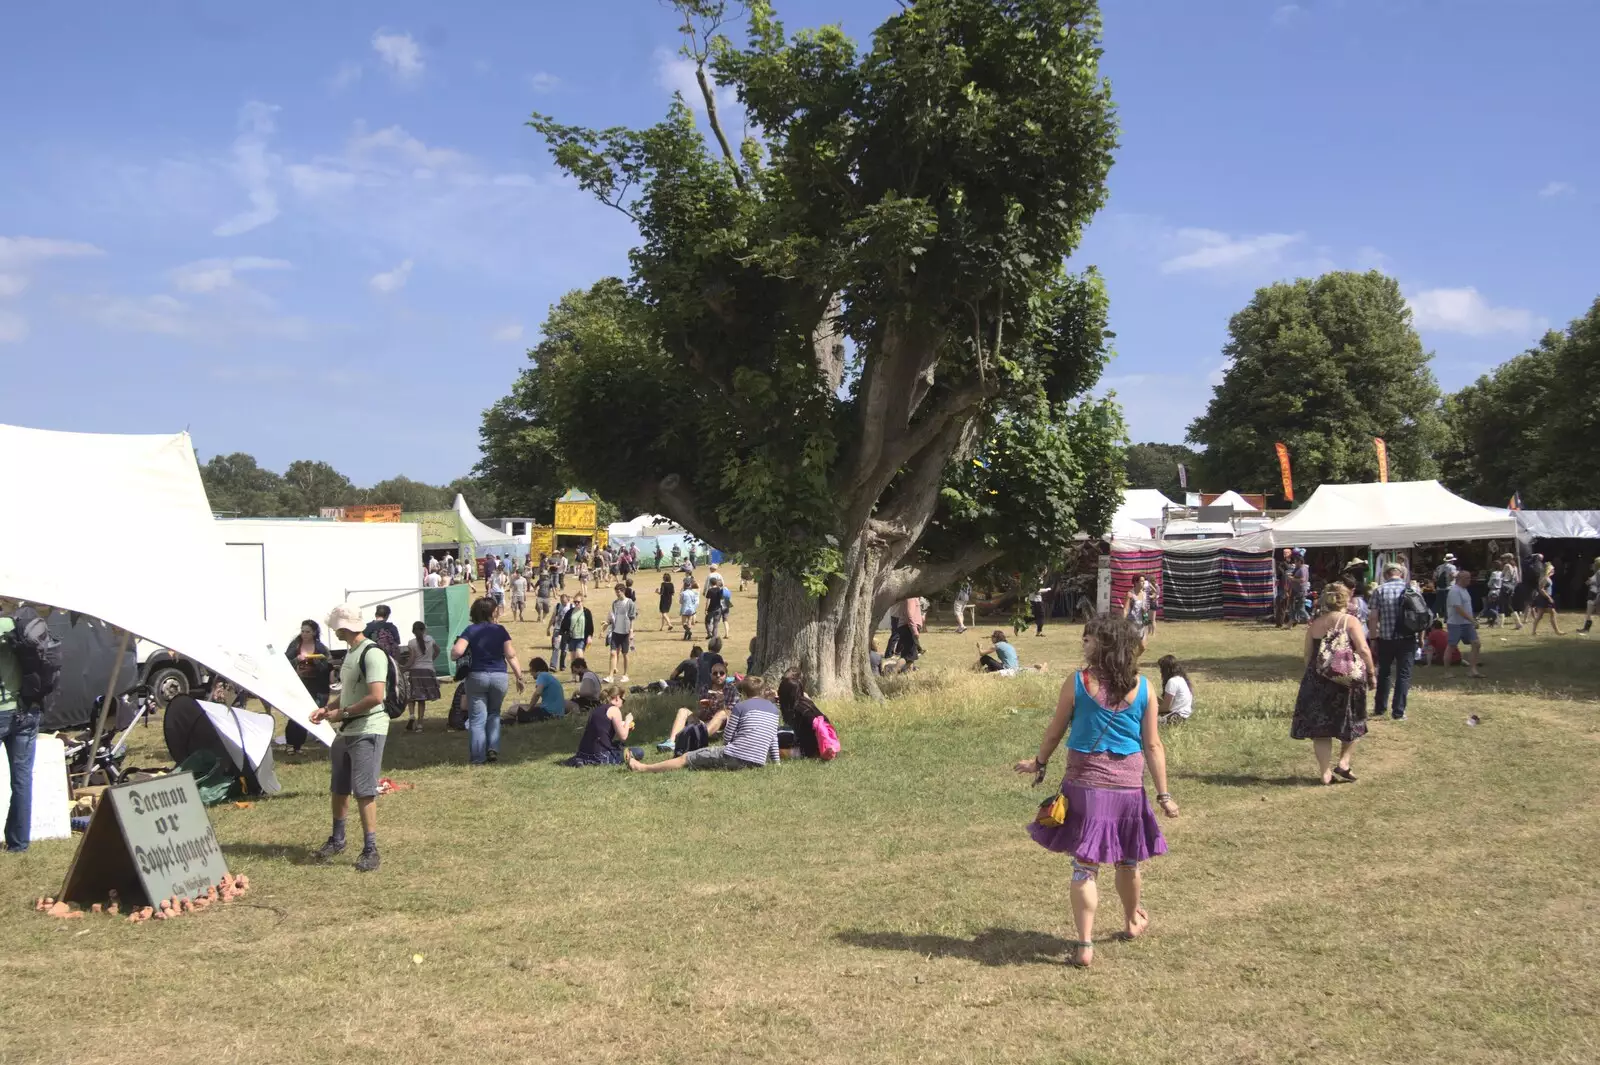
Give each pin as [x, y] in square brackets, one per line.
[825, 638]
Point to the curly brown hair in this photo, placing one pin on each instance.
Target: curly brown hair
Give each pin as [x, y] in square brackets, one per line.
[1114, 658]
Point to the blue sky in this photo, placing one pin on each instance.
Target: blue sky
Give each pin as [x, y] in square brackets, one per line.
[322, 231]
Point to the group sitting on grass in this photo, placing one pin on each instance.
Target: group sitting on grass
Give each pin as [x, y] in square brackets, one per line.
[749, 735]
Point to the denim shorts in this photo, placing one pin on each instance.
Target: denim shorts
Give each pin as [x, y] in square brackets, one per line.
[1462, 632]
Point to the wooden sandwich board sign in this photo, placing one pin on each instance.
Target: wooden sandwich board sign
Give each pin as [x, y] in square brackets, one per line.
[150, 841]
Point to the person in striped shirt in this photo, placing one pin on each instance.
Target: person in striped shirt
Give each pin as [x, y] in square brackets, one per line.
[749, 738]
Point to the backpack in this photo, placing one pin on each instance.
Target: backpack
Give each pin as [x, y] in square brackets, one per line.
[385, 638]
[396, 685]
[1415, 616]
[38, 654]
[828, 745]
[1337, 659]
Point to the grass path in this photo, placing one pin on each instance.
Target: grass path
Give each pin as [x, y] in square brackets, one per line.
[889, 907]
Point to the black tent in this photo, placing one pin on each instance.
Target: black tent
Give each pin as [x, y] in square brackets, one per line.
[240, 740]
[88, 654]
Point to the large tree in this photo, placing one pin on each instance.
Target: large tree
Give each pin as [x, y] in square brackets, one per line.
[1497, 426]
[859, 324]
[1526, 427]
[1156, 466]
[1323, 365]
[308, 486]
[237, 486]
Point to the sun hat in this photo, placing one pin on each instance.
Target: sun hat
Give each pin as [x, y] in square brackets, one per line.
[345, 616]
[1448, 557]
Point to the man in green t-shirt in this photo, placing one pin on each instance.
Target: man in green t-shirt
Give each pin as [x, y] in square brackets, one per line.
[357, 756]
[19, 727]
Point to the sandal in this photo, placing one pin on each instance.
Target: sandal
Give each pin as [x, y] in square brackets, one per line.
[1078, 961]
[1344, 774]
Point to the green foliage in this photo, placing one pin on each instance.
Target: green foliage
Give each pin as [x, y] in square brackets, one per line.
[911, 205]
[237, 486]
[1156, 466]
[1528, 425]
[1324, 366]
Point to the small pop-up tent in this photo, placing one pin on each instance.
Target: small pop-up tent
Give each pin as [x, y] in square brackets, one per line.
[1389, 515]
[104, 535]
[486, 539]
[243, 740]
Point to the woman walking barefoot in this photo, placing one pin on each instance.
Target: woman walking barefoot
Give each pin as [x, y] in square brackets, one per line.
[1544, 601]
[1113, 736]
[1332, 703]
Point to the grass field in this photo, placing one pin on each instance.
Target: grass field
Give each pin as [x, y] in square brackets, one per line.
[888, 906]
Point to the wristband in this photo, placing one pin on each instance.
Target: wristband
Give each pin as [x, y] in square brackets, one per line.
[1163, 796]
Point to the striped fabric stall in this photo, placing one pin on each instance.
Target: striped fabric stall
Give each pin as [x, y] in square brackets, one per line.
[1192, 586]
[1247, 586]
[1126, 563]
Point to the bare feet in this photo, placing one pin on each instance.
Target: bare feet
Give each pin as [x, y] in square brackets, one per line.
[631, 762]
[1137, 924]
[1082, 955]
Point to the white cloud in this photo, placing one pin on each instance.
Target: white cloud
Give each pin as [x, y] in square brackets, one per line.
[401, 52]
[21, 252]
[18, 255]
[508, 334]
[13, 327]
[543, 81]
[1558, 188]
[391, 280]
[211, 275]
[166, 315]
[313, 180]
[253, 167]
[348, 74]
[1286, 14]
[1212, 250]
[407, 147]
[1464, 310]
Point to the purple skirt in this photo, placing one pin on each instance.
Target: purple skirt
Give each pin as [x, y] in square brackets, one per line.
[1104, 825]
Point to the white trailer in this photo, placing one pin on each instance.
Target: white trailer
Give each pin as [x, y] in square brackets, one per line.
[291, 570]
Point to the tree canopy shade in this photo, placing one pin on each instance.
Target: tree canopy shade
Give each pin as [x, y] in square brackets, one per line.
[1324, 366]
[850, 349]
[1528, 426]
[1156, 466]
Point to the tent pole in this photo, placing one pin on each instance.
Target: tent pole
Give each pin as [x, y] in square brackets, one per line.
[105, 707]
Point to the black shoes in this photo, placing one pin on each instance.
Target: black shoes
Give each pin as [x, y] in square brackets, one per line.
[368, 861]
[329, 849]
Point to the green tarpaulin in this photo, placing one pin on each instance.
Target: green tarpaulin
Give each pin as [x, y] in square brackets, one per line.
[444, 611]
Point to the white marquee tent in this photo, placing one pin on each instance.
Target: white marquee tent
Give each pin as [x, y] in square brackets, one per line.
[1235, 502]
[1144, 506]
[1392, 515]
[97, 534]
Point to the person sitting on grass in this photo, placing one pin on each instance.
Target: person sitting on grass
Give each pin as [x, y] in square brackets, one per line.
[1177, 694]
[693, 729]
[1000, 657]
[1436, 645]
[606, 730]
[750, 737]
[799, 713]
[687, 675]
[547, 690]
[588, 685]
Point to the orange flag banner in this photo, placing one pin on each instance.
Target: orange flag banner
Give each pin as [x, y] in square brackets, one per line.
[1283, 466]
[1383, 459]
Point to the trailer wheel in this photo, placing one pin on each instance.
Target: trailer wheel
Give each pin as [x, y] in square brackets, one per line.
[167, 683]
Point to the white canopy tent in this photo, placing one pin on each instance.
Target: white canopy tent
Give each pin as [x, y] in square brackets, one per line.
[1144, 506]
[487, 536]
[1392, 515]
[125, 503]
[1234, 502]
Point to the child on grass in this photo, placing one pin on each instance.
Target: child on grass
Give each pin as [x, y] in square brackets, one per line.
[1177, 694]
[421, 651]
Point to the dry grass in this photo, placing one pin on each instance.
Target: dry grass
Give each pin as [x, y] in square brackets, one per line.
[888, 907]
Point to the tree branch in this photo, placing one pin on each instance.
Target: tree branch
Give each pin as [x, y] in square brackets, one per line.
[827, 344]
[903, 582]
[672, 498]
[716, 124]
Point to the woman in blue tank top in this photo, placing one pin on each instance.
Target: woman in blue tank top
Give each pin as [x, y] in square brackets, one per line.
[1113, 736]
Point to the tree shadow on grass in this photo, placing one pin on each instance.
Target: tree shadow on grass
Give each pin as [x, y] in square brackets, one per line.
[992, 946]
[1249, 780]
[293, 853]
